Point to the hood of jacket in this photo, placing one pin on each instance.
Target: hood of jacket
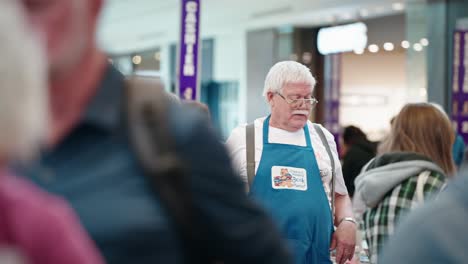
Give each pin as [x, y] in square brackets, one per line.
[385, 172]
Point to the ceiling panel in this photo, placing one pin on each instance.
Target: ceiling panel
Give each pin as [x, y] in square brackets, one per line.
[146, 22]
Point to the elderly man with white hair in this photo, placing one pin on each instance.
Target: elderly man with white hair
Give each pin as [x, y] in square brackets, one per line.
[293, 171]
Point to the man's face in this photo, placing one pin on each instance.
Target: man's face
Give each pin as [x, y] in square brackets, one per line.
[64, 27]
[291, 117]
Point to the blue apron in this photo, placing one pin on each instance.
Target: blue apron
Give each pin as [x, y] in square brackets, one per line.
[289, 185]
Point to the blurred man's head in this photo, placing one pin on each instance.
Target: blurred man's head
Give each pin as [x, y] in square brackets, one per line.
[66, 27]
[23, 85]
[199, 106]
[288, 89]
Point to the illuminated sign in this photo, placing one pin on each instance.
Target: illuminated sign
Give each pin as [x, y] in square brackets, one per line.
[342, 38]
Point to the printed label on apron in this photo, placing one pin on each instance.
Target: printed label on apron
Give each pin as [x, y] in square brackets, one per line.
[288, 178]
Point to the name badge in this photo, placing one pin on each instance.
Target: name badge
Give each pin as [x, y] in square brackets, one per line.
[288, 178]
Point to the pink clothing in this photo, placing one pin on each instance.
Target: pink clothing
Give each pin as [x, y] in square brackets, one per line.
[41, 226]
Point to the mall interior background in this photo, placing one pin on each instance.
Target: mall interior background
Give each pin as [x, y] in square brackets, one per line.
[408, 55]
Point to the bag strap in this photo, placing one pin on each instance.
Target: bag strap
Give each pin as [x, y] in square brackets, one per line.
[250, 152]
[422, 179]
[332, 161]
[148, 127]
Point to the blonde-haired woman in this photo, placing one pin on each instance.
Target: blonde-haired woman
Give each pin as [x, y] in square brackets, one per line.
[414, 165]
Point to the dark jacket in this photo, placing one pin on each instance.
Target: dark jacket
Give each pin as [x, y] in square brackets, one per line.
[357, 156]
[95, 169]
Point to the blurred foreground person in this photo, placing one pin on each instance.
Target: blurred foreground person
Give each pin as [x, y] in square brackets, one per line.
[415, 165]
[198, 106]
[357, 150]
[35, 227]
[294, 167]
[96, 164]
[435, 233]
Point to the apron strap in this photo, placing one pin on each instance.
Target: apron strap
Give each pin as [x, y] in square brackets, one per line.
[250, 147]
[307, 136]
[332, 161]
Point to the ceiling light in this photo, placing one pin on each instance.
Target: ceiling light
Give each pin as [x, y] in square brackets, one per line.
[293, 57]
[423, 91]
[373, 48]
[359, 51]
[388, 46]
[157, 55]
[379, 10]
[424, 41]
[364, 13]
[307, 57]
[417, 47]
[405, 44]
[398, 6]
[136, 59]
[346, 16]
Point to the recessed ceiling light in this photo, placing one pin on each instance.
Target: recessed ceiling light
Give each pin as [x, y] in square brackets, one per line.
[424, 41]
[364, 12]
[405, 44]
[359, 51]
[373, 48]
[398, 6]
[136, 59]
[417, 47]
[388, 46]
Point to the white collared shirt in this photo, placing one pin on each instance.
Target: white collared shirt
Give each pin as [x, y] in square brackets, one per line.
[237, 150]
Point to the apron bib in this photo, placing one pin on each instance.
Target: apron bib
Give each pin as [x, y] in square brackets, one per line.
[289, 185]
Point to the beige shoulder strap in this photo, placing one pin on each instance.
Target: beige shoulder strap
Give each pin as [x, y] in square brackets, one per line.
[250, 152]
[147, 117]
[332, 161]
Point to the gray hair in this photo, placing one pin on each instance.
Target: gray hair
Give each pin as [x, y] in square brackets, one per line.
[23, 86]
[287, 72]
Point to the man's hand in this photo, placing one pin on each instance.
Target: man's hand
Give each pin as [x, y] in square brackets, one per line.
[344, 240]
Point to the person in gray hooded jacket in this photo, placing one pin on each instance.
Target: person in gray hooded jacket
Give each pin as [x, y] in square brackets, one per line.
[414, 165]
[436, 232]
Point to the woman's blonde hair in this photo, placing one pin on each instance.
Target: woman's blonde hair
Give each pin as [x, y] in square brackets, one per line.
[423, 129]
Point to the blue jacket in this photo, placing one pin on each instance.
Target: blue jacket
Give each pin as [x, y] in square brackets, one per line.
[96, 171]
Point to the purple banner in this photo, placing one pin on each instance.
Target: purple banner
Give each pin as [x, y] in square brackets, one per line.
[332, 95]
[188, 59]
[460, 83]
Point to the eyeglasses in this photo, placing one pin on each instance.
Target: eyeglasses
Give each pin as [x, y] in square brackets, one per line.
[297, 102]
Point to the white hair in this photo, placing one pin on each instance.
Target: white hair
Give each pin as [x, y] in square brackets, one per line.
[23, 86]
[285, 72]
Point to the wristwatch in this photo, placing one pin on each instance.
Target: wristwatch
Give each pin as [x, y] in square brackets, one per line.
[349, 219]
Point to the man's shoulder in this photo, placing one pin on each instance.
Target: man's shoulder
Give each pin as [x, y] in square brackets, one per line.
[238, 134]
[237, 137]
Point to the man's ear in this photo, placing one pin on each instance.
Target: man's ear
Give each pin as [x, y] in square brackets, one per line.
[269, 97]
